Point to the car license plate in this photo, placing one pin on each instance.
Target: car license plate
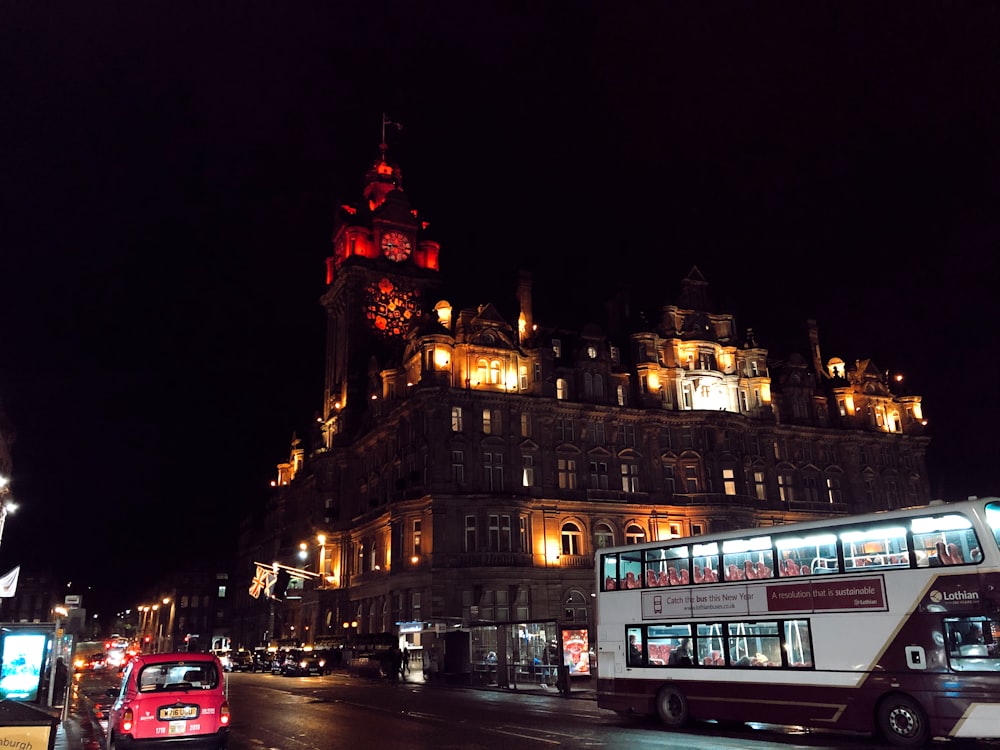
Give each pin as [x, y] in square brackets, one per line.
[178, 712]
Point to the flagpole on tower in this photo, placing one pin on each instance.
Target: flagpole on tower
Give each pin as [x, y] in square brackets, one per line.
[387, 121]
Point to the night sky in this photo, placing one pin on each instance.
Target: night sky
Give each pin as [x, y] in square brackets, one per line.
[170, 173]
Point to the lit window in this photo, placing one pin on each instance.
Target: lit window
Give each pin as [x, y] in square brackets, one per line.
[562, 389]
[528, 471]
[571, 539]
[729, 481]
[630, 477]
[566, 470]
[456, 419]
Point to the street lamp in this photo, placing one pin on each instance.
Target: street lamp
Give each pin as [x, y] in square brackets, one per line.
[6, 504]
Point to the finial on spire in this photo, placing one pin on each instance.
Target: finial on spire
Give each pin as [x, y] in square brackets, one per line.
[387, 121]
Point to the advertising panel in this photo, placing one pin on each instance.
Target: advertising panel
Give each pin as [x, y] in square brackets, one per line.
[576, 651]
[22, 655]
[815, 595]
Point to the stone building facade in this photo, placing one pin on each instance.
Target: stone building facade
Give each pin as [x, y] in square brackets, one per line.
[465, 467]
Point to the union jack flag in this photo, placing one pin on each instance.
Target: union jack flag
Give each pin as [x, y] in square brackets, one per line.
[261, 581]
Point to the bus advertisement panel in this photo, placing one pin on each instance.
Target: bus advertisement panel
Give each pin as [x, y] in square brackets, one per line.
[886, 623]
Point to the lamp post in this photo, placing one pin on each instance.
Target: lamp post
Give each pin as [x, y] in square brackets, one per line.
[170, 624]
[143, 611]
[321, 538]
[6, 504]
[155, 629]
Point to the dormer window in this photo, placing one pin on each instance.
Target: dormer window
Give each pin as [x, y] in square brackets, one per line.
[557, 347]
[592, 351]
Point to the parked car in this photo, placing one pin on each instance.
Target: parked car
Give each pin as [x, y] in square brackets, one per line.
[180, 696]
[241, 661]
[278, 659]
[304, 663]
[262, 660]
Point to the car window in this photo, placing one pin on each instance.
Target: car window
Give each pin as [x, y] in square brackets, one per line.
[178, 676]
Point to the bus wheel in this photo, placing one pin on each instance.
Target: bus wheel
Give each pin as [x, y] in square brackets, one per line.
[902, 722]
[672, 707]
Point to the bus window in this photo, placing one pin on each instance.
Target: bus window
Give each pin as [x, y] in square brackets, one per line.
[667, 567]
[748, 559]
[972, 643]
[798, 644]
[630, 570]
[876, 546]
[636, 652]
[705, 559]
[804, 555]
[754, 644]
[610, 568]
[711, 645]
[669, 645]
[993, 519]
[945, 540]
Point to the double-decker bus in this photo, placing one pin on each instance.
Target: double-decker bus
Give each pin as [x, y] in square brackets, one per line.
[886, 623]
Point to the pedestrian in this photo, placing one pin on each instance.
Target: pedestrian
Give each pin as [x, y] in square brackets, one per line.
[395, 665]
[59, 683]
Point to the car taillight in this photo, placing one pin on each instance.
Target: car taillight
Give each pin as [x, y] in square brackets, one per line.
[224, 713]
[322, 663]
[127, 720]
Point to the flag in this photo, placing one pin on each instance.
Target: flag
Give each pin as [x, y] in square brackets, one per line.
[387, 121]
[8, 582]
[261, 581]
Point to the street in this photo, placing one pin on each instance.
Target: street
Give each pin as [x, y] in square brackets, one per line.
[344, 710]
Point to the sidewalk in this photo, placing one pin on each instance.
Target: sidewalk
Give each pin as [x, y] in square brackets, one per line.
[79, 728]
[582, 688]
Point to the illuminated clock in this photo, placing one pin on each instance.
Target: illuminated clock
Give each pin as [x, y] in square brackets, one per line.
[396, 246]
[391, 309]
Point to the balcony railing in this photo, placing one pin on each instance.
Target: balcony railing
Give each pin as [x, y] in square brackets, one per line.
[483, 560]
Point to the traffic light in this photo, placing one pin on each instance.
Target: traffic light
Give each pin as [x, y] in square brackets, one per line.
[280, 584]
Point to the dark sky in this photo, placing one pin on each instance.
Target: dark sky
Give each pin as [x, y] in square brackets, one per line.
[170, 172]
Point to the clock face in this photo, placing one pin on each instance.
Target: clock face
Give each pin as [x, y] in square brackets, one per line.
[396, 246]
[391, 309]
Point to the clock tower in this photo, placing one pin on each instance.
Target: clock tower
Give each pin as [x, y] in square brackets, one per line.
[381, 279]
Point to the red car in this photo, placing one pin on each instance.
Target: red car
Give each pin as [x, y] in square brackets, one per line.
[175, 700]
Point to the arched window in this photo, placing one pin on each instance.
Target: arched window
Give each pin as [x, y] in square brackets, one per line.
[561, 389]
[588, 385]
[634, 534]
[576, 609]
[484, 371]
[572, 539]
[598, 386]
[604, 536]
[495, 372]
[622, 400]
